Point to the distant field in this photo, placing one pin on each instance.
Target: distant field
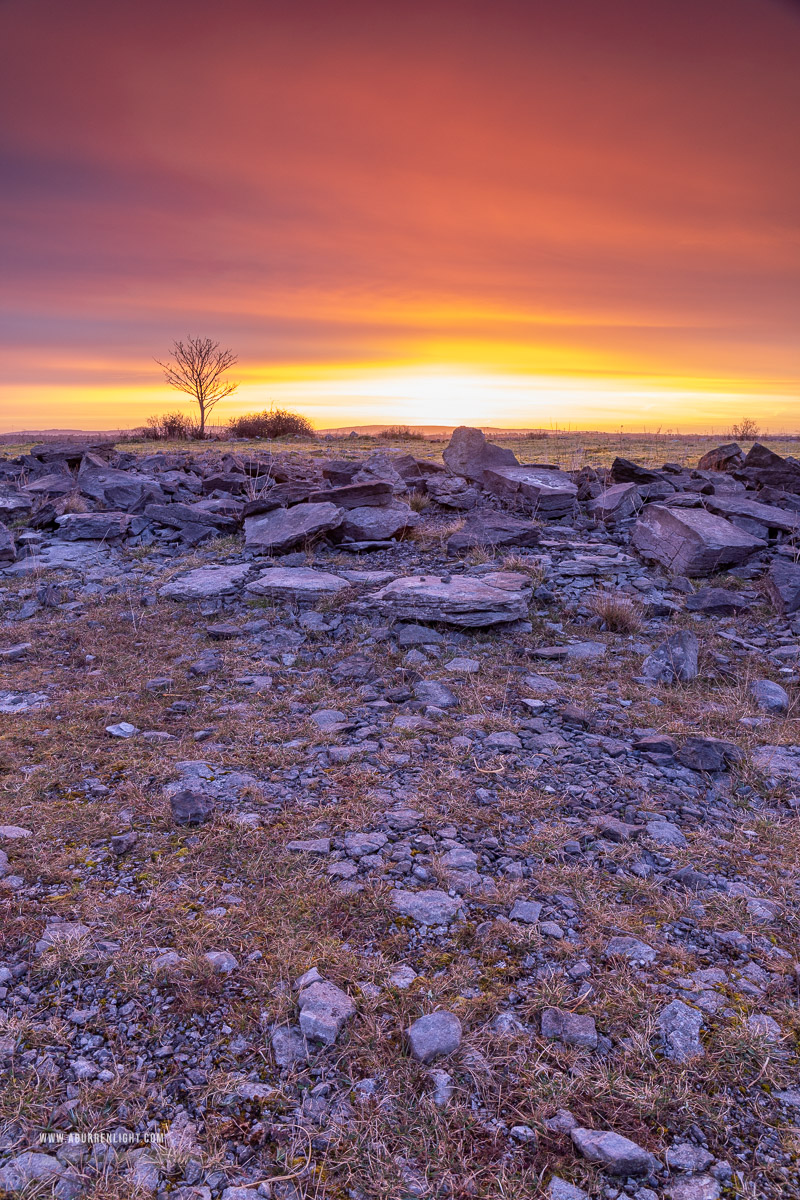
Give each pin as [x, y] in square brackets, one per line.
[568, 450]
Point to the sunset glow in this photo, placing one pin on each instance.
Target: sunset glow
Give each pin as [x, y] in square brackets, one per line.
[522, 215]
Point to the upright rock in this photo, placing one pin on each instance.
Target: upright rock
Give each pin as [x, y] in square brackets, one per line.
[722, 458]
[469, 454]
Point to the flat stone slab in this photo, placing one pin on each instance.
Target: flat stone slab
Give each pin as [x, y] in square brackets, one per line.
[285, 528]
[102, 527]
[550, 493]
[369, 524]
[299, 582]
[778, 762]
[425, 908]
[62, 556]
[204, 583]
[463, 600]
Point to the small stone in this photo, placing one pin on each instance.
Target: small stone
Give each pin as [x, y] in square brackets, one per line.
[29, 1168]
[324, 1011]
[561, 1189]
[433, 1036]
[701, 1187]
[573, 1029]
[289, 1046]
[425, 908]
[680, 1028]
[675, 660]
[524, 1134]
[764, 1026]
[527, 911]
[442, 1087]
[123, 729]
[632, 948]
[616, 1154]
[686, 1156]
[769, 697]
[190, 807]
[222, 961]
[402, 977]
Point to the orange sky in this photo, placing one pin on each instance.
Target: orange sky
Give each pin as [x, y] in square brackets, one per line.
[513, 213]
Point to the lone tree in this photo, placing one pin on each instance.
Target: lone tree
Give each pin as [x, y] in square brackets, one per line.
[197, 367]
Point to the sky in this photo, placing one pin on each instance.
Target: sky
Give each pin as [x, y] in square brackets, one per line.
[515, 213]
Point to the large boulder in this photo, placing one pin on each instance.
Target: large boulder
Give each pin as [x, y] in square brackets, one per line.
[546, 491]
[122, 490]
[691, 541]
[495, 599]
[469, 454]
[370, 524]
[285, 528]
[768, 469]
[103, 527]
[722, 458]
[489, 530]
[616, 503]
[752, 516]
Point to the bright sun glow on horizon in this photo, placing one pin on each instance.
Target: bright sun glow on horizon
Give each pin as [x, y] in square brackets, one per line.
[339, 397]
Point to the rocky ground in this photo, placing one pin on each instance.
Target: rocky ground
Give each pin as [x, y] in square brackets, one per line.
[395, 828]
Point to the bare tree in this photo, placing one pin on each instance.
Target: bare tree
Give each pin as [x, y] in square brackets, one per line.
[197, 367]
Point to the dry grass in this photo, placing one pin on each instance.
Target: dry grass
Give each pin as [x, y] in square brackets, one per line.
[618, 612]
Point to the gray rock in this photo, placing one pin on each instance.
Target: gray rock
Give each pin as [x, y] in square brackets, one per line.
[615, 503]
[680, 1028]
[378, 524]
[190, 807]
[527, 911]
[561, 1189]
[495, 599]
[675, 660]
[546, 492]
[206, 583]
[717, 601]
[370, 493]
[222, 961]
[778, 762]
[430, 691]
[468, 454]
[29, 1168]
[434, 1036]
[324, 1011]
[106, 526]
[701, 1187]
[769, 697]
[8, 547]
[722, 458]
[573, 1029]
[492, 530]
[300, 583]
[632, 948]
[425, 908]
[665, 833]
[22, 702]
[289, 1046]
[122, 729]
[62, 933]
[616, 1154]
[708, 754]
[285, 528]
[783, 586]
[691, 541]
[686, 1156]
[442, 1087]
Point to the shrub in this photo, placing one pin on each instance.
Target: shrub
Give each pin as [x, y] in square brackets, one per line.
[174, 426]
[745, 430]
[618, 613]
[401, 433]
[277, 423]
